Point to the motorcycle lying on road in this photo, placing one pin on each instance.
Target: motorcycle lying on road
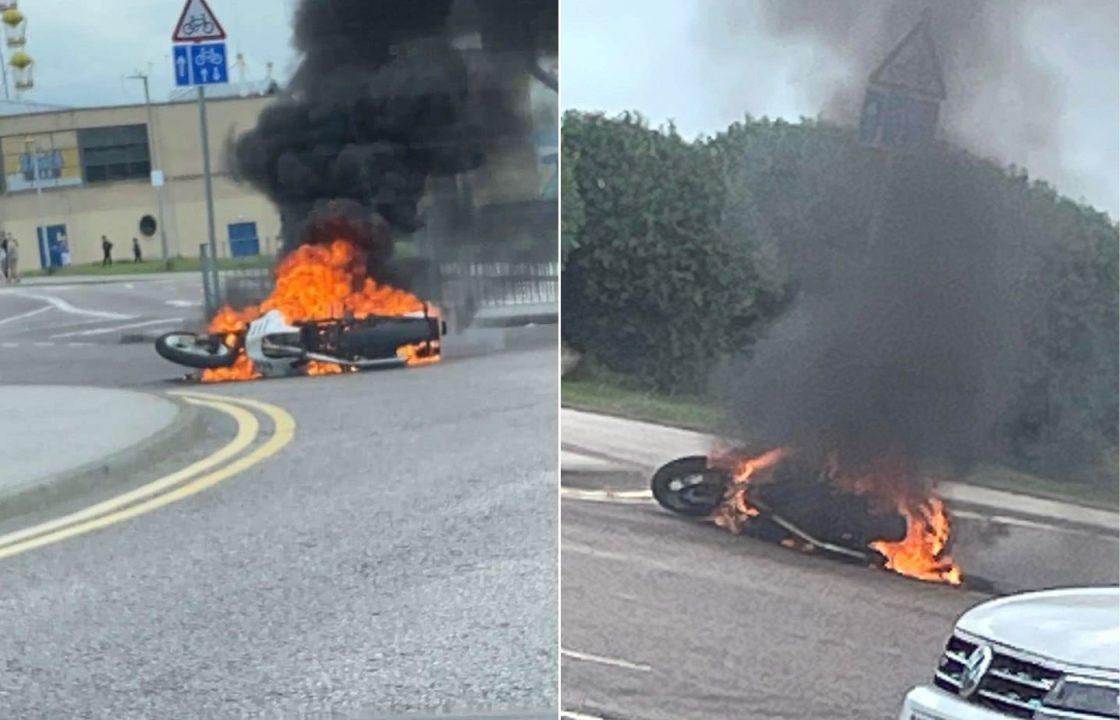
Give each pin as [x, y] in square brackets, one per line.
[278, 348]
[792, 504]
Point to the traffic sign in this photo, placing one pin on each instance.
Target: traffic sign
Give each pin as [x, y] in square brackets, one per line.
[202, 64]
[182, 63]
[902, 101]
[913, 65]
[896, 119]
[197, 23]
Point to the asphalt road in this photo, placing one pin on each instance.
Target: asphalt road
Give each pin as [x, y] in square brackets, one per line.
[666, 617]
[398, 555]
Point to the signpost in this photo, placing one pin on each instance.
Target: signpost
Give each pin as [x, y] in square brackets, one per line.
[904, 93]
[200, 60]
[900, 108]
[202, 64]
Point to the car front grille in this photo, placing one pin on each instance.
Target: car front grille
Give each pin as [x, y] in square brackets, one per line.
[1012, 685]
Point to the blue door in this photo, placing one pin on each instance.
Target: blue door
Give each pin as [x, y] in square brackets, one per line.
[54, 238]
[243, 239]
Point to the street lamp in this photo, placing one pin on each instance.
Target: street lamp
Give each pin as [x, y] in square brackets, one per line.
[44, 242]
[154, 164]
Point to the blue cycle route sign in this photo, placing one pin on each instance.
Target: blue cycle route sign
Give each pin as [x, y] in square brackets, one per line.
[200, 64]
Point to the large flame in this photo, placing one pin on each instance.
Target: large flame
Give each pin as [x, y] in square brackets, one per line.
[316, 282]
[920, 554]
[736, 510]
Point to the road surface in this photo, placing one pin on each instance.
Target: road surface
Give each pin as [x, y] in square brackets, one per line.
[398, 554]
[664, 617]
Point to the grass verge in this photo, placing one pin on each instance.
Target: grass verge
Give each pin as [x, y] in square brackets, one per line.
[611, 394]
[177, 264]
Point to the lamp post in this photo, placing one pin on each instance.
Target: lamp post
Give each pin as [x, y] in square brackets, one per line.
[44, 243]
[154, 165]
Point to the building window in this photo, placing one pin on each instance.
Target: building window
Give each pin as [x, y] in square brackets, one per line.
[114, 153]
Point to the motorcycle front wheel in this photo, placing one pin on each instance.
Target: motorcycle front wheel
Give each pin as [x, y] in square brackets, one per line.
[689, 487]
[189, 349]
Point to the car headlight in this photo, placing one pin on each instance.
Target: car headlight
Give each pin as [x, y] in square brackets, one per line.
[1085, 695]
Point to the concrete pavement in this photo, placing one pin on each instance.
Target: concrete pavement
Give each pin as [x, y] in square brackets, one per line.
[52, 430]
[41, 280]
[398, 555]
[665, 617]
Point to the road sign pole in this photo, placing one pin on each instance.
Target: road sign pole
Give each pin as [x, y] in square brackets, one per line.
[212, 240]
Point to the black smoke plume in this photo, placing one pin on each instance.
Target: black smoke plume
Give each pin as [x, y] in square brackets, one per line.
[385, 99]
[911, 349]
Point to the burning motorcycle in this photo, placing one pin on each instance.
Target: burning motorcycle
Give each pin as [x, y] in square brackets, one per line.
[277, 348]
[324, 315]
[780, 500]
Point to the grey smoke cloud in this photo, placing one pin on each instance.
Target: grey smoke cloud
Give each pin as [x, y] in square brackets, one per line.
[911, 348]
[1013, 70]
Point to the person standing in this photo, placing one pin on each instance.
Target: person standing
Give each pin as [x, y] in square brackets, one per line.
[13, 259]
[4, 254]
[106, 251]
[136, 255]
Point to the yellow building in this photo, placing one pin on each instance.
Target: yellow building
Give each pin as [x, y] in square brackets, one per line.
[94, 168]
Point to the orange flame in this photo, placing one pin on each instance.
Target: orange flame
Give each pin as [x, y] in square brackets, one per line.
[736, 510]
[920, 554]
[316, 282]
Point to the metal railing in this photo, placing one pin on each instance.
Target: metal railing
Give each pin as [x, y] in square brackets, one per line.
[500, 284]
[465, 290]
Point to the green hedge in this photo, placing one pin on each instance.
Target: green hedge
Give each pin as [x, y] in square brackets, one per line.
[651, 287]
[679, 253]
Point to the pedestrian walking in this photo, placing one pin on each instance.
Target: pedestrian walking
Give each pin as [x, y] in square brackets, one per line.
[136, 255]
[106, 251]
[13, 259]
[4, 254]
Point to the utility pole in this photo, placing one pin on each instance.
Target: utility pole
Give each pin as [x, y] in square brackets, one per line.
[154, 165]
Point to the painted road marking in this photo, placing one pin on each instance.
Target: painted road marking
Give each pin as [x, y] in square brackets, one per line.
[27, 314]
[11, 345]
[573, 715]
[600, 659]
[43, 344]
[183, 303]
[66, 307]
[247, 430]
[104, 331]
[248, 426]
[623, 497]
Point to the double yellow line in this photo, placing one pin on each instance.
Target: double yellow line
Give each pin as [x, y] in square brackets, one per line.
[194, 478]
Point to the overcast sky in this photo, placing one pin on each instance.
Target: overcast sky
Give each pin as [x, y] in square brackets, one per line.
[83, 49]
[655, 57]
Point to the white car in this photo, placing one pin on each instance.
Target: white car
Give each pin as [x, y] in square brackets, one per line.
[1050, 654]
